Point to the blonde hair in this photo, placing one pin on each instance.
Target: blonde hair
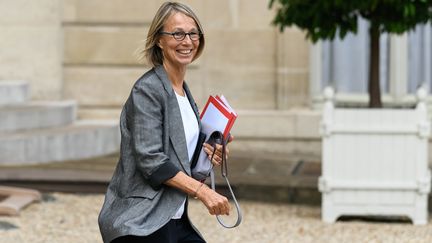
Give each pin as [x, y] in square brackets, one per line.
[150, 51]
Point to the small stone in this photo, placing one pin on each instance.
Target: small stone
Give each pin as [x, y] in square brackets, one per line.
[48, 198]
[7, 226]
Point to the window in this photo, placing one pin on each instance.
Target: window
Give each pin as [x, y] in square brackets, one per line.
[405, 64]
[419, 58]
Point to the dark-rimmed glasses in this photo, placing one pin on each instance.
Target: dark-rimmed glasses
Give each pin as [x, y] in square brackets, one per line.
[180, 35]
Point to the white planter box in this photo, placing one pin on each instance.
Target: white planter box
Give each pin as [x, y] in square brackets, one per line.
[375, 161]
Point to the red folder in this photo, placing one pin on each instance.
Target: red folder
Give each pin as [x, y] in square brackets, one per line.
[217, 115]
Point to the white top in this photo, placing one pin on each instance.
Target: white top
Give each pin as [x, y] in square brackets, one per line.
[191, 129]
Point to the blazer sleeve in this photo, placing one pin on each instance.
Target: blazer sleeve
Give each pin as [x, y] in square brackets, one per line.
[146, 125]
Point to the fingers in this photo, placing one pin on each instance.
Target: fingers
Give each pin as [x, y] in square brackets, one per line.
[230, 138]
[209, 149]
[219, 207]
[217, 157]
[215, 203]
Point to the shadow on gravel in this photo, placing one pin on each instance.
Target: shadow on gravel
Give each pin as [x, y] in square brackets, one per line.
[376, 219]
[7, 226]
[275, 194]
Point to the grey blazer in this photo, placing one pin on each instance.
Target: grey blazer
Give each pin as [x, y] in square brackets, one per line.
[153, 149]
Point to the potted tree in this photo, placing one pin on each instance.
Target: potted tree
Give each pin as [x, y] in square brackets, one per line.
[374, 162]
[326, 19]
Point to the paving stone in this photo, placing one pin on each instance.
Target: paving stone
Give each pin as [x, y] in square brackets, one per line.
[7, 226]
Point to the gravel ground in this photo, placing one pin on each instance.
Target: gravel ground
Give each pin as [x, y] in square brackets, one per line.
[73, 218]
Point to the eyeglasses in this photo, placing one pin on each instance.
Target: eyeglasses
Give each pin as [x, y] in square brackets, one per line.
[180, 35]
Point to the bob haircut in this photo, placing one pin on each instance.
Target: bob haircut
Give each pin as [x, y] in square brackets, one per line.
[151, 51]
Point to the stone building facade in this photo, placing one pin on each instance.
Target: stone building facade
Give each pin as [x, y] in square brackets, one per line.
[84, 50]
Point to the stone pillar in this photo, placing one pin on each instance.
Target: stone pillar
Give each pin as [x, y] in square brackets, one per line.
[398, 65]
[32, 45]
[315, 70]
[292, 69]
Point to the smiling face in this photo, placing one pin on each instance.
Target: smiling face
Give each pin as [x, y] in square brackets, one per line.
[176, 53]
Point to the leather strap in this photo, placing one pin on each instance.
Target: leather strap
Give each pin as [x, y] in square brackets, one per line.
[224, 173]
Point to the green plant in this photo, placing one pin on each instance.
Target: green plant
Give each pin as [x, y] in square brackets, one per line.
[326, 19]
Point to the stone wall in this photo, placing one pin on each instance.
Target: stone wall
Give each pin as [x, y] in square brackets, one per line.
[31, 45]
[84, 50]
[245, 58]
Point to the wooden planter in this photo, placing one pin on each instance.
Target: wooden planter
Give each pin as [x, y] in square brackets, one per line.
[375, 161]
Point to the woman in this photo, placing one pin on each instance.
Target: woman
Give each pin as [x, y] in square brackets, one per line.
[146, 200]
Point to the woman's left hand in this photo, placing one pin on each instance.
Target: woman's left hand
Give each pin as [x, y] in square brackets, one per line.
[217, 158]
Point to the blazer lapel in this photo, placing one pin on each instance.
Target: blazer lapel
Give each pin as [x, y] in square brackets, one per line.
[160, 71]
[176, 130]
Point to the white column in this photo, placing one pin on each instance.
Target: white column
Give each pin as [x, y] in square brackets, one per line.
[428, 57]
[315, 70]
[398, 66]
[32, 45]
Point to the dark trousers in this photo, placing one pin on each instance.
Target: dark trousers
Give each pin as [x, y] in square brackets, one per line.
[175, 231]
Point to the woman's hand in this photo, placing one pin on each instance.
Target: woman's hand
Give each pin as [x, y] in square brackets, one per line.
[215, 203]
[217, 158]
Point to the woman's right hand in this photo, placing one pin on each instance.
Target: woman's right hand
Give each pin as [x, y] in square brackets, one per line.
[215, 203]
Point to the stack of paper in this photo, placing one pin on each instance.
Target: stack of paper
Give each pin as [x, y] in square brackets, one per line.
[217, 115]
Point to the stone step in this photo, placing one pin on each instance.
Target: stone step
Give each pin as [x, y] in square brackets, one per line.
[244, 169]
[14, 92]
[16, 199]
[34, 115]
[84, 139]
